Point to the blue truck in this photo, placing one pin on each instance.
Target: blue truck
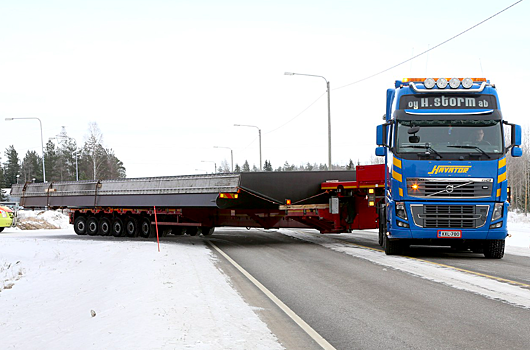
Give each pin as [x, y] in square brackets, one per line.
[445, 144]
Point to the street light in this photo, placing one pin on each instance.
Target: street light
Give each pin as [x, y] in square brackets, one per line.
[259, 133]
[210, 161]
[231, 155]
[76, 168]
[329, 113]
[41, 144]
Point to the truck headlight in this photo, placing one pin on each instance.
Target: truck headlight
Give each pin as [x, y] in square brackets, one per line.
[497, 211]
[400, 211]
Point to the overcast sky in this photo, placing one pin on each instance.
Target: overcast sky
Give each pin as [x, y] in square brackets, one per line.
[166, 80]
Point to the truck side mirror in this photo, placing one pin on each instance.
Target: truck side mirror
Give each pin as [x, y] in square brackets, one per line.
[516, 135]
[517, 152]
[380, 135]
[380, 151]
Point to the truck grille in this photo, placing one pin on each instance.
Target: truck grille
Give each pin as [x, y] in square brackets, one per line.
[449, 188]
[449, 216]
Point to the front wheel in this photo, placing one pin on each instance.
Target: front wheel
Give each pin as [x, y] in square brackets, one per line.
[392, 247]
[494, 249]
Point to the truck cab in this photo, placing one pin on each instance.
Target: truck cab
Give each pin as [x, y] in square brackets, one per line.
[445, 177]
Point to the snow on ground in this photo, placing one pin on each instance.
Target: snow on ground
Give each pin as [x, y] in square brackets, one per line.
[63, 291]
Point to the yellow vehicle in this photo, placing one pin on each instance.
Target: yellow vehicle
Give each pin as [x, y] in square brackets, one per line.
[7, 217]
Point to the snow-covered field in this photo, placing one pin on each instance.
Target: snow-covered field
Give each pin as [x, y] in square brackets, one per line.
[61, 291]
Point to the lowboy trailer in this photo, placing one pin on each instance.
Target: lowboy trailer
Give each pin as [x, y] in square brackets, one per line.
[329, 201]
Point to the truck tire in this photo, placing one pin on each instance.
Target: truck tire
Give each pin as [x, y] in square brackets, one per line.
[207, 231]
[192, 231]
[146, 229]
[392, 247]
[80, 225]
[131, 227]
[104, 226]
[494, 249]
[92, 226]
[177, 231]
[117, 227]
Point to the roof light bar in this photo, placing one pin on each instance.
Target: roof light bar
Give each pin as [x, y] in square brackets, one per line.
[454, 83]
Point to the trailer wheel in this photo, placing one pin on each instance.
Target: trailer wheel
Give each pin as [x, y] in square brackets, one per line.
[207, 231]
[131, 227]
[192, 231]
[494, 249]
[92, 226]
[104, 226]
[145, 227]
[177, 231]
[80, 225]
[117, 227]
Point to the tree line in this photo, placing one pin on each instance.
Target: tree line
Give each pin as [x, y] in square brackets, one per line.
[63, 161]
[519, 176]
[267, 166]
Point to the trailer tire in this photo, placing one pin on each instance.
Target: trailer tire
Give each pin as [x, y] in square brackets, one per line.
[192, 231]
[207, 231]
[146, 229]
[177, 231]
[80, 225]
[104, 226]
[117, 227]
[131, 227]
[392, 247]
[92, 226]
[494, 249]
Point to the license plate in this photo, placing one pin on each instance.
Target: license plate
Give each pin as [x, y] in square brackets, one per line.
[449, 234]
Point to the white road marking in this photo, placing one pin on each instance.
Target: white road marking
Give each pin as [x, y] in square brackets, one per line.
[488, 287]
[301, 323]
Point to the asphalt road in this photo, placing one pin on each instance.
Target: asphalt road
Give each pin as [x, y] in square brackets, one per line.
[355, 303]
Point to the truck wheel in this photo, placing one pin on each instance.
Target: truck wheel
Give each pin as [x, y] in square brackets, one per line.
[92, 226]
[117, 227]
[392, 247]
[494, 249]
[192, 231]
[104, 226]
[131, 227]
[80, 225]
[177, 231]
[207, 231]
[146, 229]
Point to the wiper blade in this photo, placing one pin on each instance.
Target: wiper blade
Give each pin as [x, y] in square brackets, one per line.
[472, 147]
[426, 146]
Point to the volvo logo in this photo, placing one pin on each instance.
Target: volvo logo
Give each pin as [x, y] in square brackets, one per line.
[449, 188]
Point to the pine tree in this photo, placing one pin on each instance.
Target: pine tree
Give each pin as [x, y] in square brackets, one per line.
[246, 167]
[267, 166]
[31, 167]
[237, 169]
[11, 167]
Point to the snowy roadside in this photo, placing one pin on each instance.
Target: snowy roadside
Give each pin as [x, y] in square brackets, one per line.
[63, 291]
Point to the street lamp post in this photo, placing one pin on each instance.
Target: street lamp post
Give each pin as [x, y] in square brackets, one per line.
[76, 167]
[259, 134]
[231, 155]
[329, 112]
[41, 144]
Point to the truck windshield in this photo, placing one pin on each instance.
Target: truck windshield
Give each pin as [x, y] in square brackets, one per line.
[470, 137]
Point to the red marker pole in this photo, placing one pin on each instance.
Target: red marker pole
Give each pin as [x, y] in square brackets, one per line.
[156, 225]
